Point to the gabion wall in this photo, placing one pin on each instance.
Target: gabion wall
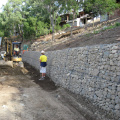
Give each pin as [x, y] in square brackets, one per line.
[91, 71]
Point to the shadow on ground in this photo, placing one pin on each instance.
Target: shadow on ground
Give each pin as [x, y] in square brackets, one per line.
[47, 84]
[78, 104]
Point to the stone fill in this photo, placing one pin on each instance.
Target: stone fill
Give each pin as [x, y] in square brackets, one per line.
[91, 71]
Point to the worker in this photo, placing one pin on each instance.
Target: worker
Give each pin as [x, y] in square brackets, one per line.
[16, 50]
[25, 48]
[43, 64]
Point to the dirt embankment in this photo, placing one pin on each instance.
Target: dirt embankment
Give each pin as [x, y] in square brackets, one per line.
[104, 37]
[86, 36]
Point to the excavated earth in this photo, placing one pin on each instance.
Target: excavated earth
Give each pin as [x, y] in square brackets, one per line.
[109, 36]
[24, 97]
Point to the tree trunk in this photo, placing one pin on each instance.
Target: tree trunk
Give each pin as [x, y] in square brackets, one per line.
[55, 21]
[73, 22]
[52, 27]
[86, 23]
[93, 25]
[20, 32]
[50, 17]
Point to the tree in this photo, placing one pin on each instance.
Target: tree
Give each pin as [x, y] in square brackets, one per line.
[1, 27]
[71, 6]
[99, 7]
[30, 27]
[6, 20]
[13, 18]
[42, 28]
[34, 17]
[36, 9]
[57, 22]
[52, 7]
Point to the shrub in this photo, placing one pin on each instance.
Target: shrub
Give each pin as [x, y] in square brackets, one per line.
[117, 24]
[50, 30]
[96, 32]
[65, 26]
[57, 27]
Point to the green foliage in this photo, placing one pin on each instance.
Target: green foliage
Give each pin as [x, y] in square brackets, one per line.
[30, 27]
[42, 28]
[110, 27]
[97, 31]
[117, 24]
[58, 20]
[99, 7]
[57, 27]
[50, 31]
[1, 34]
[113, 26]
[33, 18]
[65, 26]
[1, 31]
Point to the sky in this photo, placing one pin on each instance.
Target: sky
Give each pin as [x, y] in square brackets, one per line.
[2, 2]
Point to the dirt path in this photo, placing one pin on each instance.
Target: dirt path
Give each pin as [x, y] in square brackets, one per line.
[24, 97]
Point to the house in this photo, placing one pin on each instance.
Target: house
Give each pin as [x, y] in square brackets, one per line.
[80, 20]
[84, 18]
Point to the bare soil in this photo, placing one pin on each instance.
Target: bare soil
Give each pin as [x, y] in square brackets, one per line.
[81, 37]
[24, 97]
[104, 37]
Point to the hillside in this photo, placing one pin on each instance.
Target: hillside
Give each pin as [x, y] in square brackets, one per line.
[86, 36]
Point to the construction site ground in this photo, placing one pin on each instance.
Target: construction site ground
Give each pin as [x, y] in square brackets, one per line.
[24, 97]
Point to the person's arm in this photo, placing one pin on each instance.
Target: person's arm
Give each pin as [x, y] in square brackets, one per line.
[40, 61]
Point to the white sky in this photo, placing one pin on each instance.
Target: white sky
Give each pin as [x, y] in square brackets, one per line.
[2, 2]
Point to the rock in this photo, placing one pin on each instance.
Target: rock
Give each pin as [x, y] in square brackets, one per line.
[114, 51]
[117, 107]
[118, 39]
[95, 72]
[21, 64]
[118, 88]
[4, 106]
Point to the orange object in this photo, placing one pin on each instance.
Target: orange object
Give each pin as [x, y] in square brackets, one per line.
[24, 51]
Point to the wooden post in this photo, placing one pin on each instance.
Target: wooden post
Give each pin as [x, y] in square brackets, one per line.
[67, 17]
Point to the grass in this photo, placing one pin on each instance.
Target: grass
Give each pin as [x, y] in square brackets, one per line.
[113, 26]
[108, 27]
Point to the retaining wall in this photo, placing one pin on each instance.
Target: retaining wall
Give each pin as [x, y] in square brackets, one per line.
[93, 72]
